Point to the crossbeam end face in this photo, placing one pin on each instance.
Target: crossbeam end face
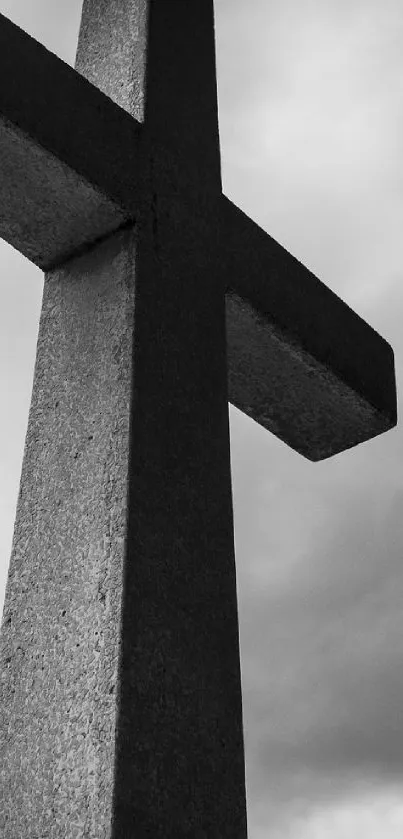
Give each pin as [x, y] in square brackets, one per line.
[288, 392]
[301, 363]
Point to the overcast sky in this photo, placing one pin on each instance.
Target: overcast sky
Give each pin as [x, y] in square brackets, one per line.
[311, 119]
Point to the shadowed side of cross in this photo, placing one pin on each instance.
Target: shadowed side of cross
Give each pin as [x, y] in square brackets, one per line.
[300, 361]
[120, 679]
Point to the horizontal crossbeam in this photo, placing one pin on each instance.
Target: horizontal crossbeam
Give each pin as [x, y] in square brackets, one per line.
[68, 154]
[301, 362]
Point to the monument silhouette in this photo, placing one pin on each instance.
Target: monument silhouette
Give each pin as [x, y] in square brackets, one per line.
[121, 711]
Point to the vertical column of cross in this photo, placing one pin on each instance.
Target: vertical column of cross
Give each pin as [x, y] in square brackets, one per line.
[121, 702]
[157, 61]
[180, 759]
[112, 50]
[61, 631]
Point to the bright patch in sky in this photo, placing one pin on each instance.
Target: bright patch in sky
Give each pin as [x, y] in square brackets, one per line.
[311, 121]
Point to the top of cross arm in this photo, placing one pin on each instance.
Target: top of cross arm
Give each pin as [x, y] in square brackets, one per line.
[300, 362]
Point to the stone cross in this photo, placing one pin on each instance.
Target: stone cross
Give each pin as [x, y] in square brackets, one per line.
[121, 710]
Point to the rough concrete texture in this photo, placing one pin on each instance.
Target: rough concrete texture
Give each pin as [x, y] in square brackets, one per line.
[300, 361]
[180, 763]
[284, 388]
[48, 211]
[76, 190]
[116, 65]
[59, 137]
[140, 572]
[61, 622]
[161, 69]
[120, 691]
[121, 710]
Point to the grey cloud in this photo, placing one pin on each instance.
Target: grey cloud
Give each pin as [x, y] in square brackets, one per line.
[322, 660]
[320, 579]
[319, 547]
[311, 131]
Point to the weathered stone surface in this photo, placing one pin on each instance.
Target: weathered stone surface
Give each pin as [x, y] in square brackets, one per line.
[111, 564]
[63, 184]
[121, 699]
[47, 210]
[62, 613]
[273, 380]
[163, 73]
[300, 361]
[121, 711]
[334, 384]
